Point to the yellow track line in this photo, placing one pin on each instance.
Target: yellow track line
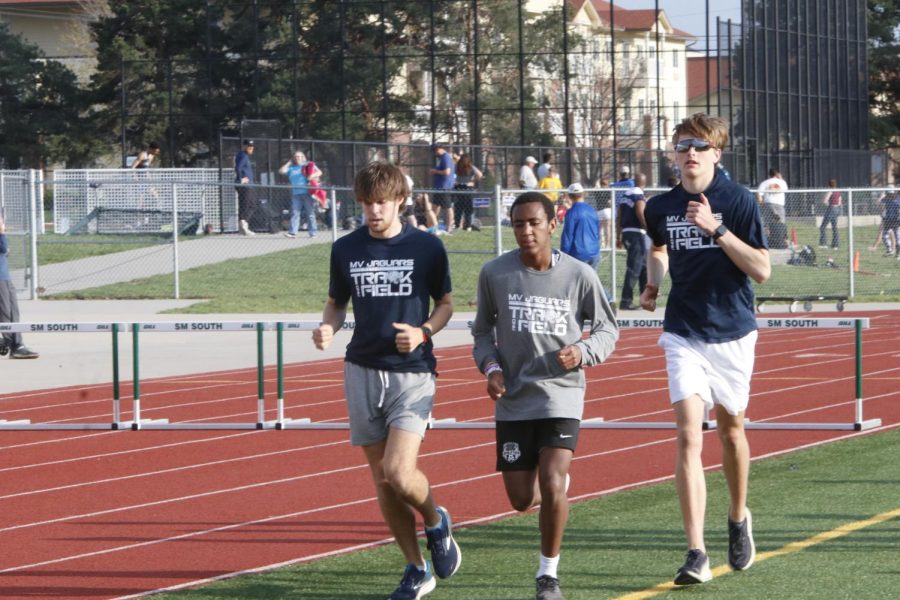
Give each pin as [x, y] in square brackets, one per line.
[819, 538]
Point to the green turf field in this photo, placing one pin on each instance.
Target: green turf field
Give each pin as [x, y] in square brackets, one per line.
[632, 541]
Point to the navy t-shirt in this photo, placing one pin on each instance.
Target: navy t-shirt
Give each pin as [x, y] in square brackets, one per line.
[711, 298]
[628, 216]
[390, 281]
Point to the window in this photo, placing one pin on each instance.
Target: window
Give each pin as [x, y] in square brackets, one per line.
[674, 58]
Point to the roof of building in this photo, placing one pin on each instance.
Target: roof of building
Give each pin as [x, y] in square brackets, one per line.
[696, 76]
[631, 20]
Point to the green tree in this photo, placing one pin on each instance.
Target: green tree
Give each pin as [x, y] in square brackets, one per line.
[884, 72]
[39, 106]
[152, 66]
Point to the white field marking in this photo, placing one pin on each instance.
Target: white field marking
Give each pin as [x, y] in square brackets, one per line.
[124, 452]
[468, 523]
[816, 354]
[214, 463]
[207, 494]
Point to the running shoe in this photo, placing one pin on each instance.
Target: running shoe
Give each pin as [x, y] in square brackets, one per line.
[415, 583]
[23, 352]
[695, 569]
[445, 552]
[741, 549]
[548, 588]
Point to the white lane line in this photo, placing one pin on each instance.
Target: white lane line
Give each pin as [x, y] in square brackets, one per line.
[468, 523]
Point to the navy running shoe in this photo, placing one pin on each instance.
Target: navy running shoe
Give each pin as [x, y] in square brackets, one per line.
[415, 583]
[445, 552]
[741, 549]
[695, 569]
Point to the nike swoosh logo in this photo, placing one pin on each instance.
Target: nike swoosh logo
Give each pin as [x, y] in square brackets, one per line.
[562, 435]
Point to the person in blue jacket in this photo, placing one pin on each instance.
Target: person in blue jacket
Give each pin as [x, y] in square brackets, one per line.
[707, 233]
[581, 229]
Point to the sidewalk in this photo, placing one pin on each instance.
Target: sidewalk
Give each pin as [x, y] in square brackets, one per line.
[75, 359]
[146, 261]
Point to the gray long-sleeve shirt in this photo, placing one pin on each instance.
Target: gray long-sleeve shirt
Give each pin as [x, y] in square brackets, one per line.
[525, 317]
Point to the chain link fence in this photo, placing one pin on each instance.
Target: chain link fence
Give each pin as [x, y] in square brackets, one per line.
[180, 254]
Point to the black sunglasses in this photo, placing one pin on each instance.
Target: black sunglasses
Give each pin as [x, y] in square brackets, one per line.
[698, 145]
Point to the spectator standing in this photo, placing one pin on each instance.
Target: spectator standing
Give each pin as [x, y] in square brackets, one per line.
[391, 271]
[631, 233]
[580, 237]
[11, 343]
[551, 185]
[833, 209]
[442, 180]
[527, 179]
[533, 303]
[604, 212]
[889, 232]
[467, 178]
[708, 234]
[624, 182]
[544, 169]
[243, 176]
[771, 194]
[301, 173]
[145, 159]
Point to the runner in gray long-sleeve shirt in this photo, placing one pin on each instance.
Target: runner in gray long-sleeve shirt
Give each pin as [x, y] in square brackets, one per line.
[532, 306]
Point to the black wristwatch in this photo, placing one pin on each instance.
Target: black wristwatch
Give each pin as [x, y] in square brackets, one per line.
[719, 232]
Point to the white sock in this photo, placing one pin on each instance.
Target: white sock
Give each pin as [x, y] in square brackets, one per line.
[548, 566]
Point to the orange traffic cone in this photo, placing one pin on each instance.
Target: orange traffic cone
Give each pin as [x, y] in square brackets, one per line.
[856, 262]
[794, 236]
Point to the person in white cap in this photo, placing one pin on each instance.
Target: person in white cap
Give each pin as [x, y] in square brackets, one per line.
[581, 229]
[527, 178]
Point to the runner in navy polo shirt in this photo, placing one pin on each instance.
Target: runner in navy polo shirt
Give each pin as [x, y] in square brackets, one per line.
[708, 234]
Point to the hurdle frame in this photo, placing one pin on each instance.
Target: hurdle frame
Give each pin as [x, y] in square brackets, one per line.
[283, 422]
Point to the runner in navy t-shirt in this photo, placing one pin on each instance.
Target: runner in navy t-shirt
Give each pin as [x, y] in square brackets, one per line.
[708, 234]
[391, 271]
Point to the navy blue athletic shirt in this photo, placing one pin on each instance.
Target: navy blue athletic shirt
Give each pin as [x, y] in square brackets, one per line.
[711, 299]
[390, 281]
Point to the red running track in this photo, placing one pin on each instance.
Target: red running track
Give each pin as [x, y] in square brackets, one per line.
[118, 513]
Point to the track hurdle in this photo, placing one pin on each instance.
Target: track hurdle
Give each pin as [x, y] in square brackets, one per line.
[283, 422]
[183, 326]
[116, 412]
[859, 423]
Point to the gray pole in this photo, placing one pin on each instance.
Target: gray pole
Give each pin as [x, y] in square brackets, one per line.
[32, 201]
[175, 262]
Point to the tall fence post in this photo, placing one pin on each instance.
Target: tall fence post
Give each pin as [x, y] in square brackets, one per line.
[334, 215]
[32, 202]
[175, 261]
[498, 220]
[614, 209]
[850, 243]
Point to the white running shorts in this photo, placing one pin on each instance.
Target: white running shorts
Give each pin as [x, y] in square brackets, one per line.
[718, 373]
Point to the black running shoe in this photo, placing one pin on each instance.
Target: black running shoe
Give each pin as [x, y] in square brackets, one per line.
[741, 549]
[4, 349]
[548, 588]
[695, 569]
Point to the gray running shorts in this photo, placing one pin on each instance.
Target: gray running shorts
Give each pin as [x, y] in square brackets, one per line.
[378, 400]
